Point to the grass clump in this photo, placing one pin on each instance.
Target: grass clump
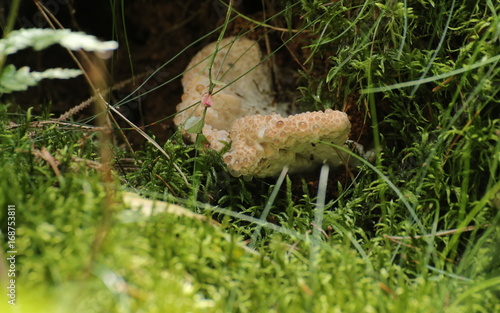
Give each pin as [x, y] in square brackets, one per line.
[416, 231]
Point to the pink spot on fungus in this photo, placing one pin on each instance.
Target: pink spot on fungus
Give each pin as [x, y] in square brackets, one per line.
[207, 100]
[262, 142]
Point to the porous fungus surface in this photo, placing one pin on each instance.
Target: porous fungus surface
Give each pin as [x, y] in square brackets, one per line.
[239, 111]
[262, 145]
[242, 87]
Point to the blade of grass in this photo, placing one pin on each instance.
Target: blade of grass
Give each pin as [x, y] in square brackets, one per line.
[438, 48]
[391, 185]
[320, 202]
[475, 289]
[490, 194]
[148, 138]
[221, 36]
[461, 70]
[269, 204]
[318, 217]
[11, 19]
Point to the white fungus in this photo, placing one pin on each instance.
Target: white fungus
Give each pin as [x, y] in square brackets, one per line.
[239, 111]
[262, 145]
[242, 87]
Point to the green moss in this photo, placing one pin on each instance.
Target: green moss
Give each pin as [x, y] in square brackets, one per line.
[381, 245]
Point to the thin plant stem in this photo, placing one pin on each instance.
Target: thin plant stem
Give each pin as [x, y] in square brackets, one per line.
[11, 19]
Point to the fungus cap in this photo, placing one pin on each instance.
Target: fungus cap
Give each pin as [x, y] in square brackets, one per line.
[263, 145]
[239, 111]
[243, 87]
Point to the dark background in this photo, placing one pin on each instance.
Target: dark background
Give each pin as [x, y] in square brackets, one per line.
[150, 33]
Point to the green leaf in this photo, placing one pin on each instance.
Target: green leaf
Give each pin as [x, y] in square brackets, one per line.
[41, 38]
[12, 79]
[194, 125]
